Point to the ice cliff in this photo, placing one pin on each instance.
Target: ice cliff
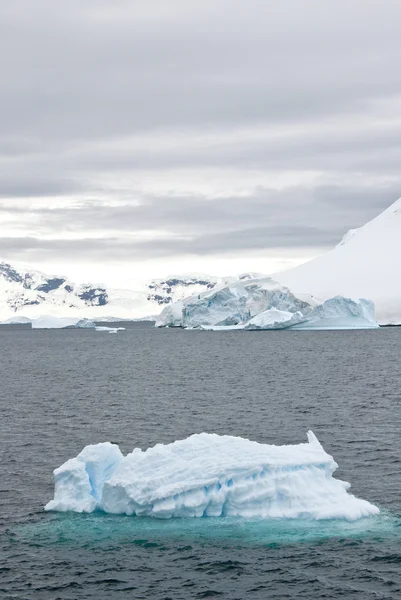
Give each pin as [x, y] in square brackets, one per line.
[207, 475]
[263, 303]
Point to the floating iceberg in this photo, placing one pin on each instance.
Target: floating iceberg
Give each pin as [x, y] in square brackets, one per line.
[207, 475]
[109, 329]
[263, 303]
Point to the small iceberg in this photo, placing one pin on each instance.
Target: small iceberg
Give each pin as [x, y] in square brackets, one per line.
[109, 329]
[208, 475]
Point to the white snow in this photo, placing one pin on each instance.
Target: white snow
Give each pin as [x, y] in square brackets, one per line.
[365, 264]
[27, 297]
[208, 475]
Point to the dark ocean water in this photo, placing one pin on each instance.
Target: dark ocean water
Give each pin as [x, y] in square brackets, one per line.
[61, 390]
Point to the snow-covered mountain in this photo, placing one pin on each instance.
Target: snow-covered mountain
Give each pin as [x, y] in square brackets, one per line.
[173, 288]
[365, 264]
[31, 293]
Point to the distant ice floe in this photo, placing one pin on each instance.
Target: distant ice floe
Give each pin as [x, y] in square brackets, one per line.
[110, 329]
[263, 303]
[50, 322]
[208, 475]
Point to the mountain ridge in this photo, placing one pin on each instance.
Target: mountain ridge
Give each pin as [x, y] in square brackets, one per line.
[31, 293]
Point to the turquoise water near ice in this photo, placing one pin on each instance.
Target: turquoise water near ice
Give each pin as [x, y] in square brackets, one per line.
[81, 530]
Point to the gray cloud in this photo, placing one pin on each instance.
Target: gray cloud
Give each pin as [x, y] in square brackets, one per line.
[36, 187]
[83, 72]
[117, 249]
[182, 225]
[96, 93]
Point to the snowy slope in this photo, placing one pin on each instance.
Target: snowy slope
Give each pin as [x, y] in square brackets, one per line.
[366, 264]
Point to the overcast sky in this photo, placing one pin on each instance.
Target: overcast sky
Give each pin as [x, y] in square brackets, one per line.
[142, 138]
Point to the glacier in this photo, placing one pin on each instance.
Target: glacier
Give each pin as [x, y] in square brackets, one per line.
[230, 305]
[208, 475]
[263, 303]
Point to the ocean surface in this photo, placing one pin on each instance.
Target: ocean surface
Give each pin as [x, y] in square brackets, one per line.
[62, 390]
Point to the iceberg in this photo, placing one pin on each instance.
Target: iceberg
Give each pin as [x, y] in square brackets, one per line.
[263, 303]
[51, 322]
[208, 475]
[230, 305]
[109, 329]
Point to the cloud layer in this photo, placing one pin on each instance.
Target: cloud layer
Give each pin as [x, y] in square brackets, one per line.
[134, 132]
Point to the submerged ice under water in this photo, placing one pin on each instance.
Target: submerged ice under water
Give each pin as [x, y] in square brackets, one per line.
[62, 390]
[207, 475]
[101, 529]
